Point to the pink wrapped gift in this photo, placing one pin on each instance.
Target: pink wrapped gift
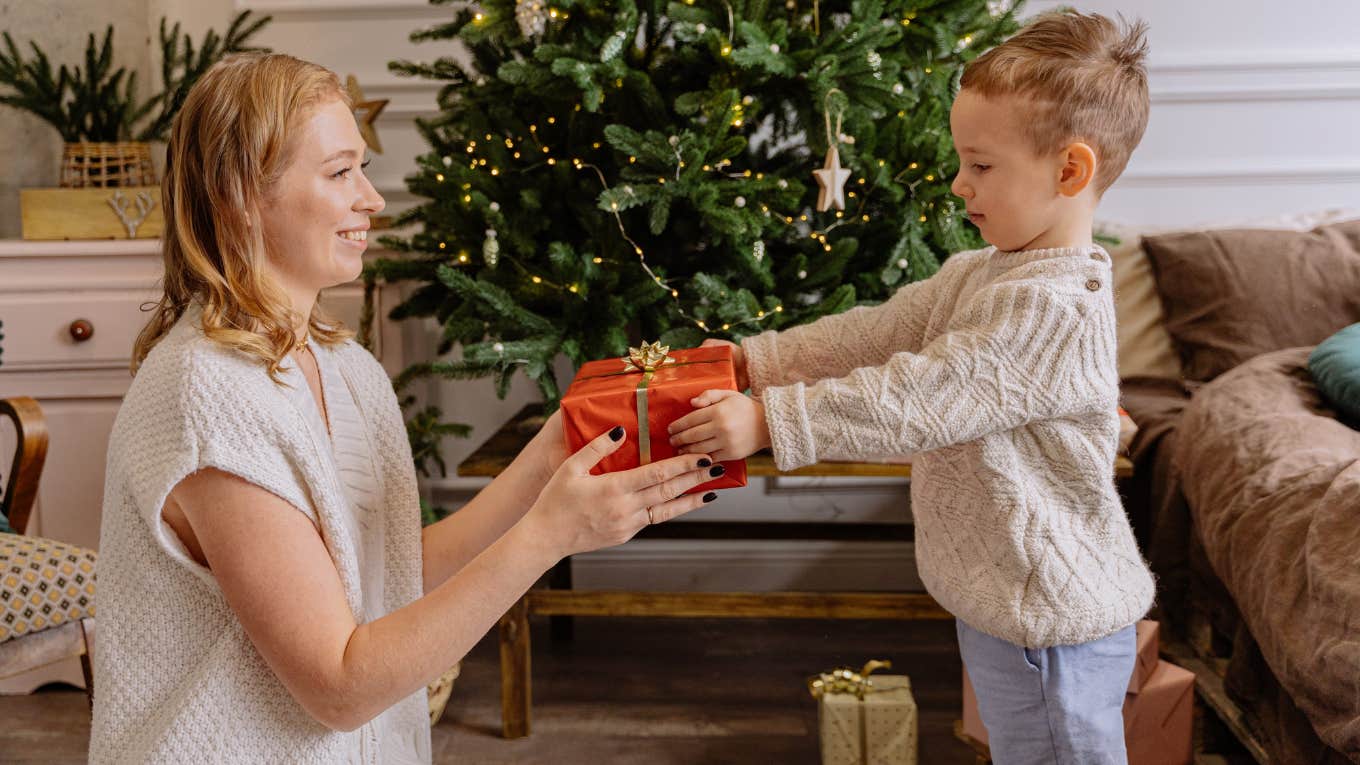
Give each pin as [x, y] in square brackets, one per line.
[1146, 660]
[1158, 719]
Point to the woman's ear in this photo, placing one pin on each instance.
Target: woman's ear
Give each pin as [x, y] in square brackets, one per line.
[1078, 170]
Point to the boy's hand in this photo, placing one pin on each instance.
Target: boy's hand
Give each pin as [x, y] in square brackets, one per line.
[725, 425]
[738, 360]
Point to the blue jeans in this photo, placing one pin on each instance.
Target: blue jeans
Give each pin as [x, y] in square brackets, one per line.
[1051, 706]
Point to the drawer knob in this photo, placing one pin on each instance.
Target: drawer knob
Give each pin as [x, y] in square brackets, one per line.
[81, 330]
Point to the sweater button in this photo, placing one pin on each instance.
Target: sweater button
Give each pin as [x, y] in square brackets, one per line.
[1093, 284]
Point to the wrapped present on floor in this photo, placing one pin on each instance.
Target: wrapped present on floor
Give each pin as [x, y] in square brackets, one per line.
[1159, 719]
[864, 720]
[1146, 661]
[645, 392]
[972, 721]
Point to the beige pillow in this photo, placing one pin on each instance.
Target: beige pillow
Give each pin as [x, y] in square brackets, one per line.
[1145, 348]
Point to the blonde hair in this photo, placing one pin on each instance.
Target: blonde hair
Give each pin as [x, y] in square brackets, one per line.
[229, 145]
[1084, 76]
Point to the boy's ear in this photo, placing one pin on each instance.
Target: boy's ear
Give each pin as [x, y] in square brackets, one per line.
[1078, 170]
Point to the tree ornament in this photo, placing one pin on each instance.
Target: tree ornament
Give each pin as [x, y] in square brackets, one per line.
[491, 249]
[758, 250]
[532, 18]
[613, 46]
[832, 177]
[365, 112]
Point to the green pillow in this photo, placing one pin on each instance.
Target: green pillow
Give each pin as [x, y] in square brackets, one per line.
[1335, 366]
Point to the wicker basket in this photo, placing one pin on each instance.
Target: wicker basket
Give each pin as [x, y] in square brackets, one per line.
[98, 165]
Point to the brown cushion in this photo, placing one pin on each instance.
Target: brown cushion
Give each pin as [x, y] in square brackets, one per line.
[1230, 295]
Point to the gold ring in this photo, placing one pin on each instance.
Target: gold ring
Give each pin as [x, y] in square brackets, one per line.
[650, 519]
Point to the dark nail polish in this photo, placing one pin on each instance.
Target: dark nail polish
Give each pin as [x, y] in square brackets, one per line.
[616, 433]
[705, 462]
[709, 497]
[717, 471]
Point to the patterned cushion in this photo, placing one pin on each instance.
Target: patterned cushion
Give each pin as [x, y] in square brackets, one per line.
[43, 583]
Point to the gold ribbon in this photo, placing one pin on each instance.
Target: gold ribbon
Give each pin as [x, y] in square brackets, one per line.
[846, 680]
[646, 358]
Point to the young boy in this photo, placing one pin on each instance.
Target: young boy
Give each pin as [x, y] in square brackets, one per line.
[998, 374]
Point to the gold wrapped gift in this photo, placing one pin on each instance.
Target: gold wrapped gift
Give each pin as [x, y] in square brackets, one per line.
[865, 720]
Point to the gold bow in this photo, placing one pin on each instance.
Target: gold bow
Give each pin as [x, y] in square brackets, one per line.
[846, 680]
[647, 357]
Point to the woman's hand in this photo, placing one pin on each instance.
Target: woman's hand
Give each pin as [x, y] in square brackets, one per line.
[548, 448]
[578, 512]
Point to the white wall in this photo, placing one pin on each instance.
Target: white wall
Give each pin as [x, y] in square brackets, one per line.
[1255, 111]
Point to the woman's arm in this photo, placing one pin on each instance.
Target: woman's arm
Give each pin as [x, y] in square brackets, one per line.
[344, 673]
[448, 545]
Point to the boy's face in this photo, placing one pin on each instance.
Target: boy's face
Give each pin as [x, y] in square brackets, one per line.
[1011, 193]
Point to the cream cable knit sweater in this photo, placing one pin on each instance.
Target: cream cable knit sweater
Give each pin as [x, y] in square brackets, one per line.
[999, 375]
[176, 677]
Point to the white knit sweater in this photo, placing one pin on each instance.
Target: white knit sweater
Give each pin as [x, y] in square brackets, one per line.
[176, 677]
[998, 374]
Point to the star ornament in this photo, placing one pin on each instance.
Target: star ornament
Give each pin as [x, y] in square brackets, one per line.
[365, 112]
[831, 182]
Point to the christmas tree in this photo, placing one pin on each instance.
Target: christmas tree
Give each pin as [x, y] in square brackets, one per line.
[604, 171]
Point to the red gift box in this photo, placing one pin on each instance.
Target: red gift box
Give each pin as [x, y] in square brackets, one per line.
[643, 390]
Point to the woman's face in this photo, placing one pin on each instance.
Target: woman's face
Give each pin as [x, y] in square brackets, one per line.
[315, 218]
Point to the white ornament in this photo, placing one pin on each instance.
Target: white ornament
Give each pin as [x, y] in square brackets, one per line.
[701, 28]
[747, 100]
[491, 249]
[898, 89]
[673, 140]
[495, 206]
[802, 274]
[498, 348]
[739, 201]
[532, 17]
[902, 264]
[758, 250]
[774, 47]
[831, 182]
[448, 161]
[783, 184]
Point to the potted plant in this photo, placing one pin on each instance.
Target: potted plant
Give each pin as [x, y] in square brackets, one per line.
[96, 108]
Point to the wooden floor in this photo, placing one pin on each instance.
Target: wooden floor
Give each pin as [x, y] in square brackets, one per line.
[653, 691]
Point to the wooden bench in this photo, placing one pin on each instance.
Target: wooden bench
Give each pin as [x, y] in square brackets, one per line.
[561, 602]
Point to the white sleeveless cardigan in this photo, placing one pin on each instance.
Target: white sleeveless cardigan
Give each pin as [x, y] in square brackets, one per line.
[176, 677]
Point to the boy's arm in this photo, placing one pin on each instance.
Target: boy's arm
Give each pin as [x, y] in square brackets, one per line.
[1022, 352]
[865, 336]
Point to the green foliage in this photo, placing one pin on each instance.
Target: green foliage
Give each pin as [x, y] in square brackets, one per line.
[645, 167]
[99, 103]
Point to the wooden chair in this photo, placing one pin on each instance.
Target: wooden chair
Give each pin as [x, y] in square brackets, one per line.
[46, 587]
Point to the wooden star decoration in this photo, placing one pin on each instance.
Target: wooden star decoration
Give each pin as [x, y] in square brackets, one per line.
[365, 112]
[831, 182]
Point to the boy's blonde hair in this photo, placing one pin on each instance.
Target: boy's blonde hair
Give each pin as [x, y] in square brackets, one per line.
[1085, 78]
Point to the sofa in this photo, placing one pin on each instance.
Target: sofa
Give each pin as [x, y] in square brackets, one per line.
[1246, 495]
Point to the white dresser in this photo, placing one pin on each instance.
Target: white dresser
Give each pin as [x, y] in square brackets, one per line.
[70, 313]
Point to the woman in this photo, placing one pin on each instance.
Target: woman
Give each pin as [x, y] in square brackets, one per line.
[266, 591]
